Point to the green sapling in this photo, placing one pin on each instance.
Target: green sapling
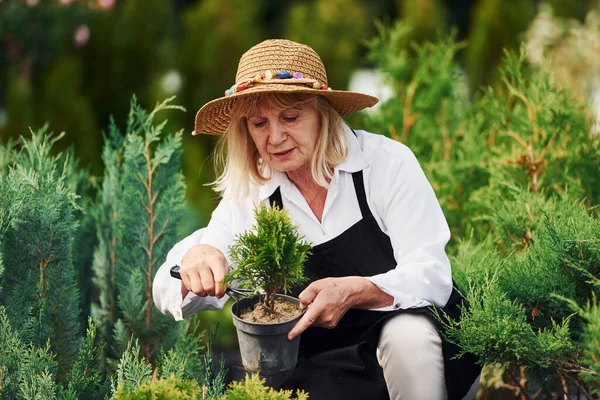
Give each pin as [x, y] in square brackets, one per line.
[270, 256]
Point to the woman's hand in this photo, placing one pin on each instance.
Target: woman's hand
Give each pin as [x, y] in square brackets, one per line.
[202, 271]
[330, 298]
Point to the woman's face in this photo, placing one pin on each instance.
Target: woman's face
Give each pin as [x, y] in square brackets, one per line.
[286, 139]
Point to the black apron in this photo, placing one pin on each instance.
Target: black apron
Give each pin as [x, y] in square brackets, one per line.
[341, 363]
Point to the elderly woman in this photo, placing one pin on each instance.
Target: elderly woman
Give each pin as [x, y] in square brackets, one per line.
[378, 265]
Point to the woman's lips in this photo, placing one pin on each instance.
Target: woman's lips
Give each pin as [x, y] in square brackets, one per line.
[283, 155]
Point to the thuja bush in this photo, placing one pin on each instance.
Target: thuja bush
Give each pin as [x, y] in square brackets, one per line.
[270, 256]
[517, 171]
[253, 387]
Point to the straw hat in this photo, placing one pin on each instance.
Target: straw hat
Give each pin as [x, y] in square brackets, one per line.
[277, 66]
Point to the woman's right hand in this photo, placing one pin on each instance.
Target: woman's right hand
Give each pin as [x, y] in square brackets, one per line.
[202, 271]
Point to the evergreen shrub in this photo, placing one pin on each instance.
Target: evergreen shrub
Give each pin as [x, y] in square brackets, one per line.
[517, 171]
[269, 257]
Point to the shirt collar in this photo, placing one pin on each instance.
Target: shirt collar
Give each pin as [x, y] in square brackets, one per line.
[355, 161]
[278, 178]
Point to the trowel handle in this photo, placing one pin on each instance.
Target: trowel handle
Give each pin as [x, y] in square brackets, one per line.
[175, 272]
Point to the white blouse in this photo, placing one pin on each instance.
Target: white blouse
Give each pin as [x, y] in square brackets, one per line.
[399, 196]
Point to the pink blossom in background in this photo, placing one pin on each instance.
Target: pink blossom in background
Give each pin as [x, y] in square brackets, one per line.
[66, 2]
[106, 4]
[32, 3]
[81, 36]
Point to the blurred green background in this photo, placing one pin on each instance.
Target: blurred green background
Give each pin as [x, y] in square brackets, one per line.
[76, 63]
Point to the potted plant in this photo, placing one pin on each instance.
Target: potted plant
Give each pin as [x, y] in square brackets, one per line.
[270, 260]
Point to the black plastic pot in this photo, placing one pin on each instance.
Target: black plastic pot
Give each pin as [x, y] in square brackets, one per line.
[265, 348]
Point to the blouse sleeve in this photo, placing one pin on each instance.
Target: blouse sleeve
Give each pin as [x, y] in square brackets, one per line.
[413, 219]
[166, 290]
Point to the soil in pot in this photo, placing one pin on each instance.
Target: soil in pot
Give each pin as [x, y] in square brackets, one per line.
[283, 311]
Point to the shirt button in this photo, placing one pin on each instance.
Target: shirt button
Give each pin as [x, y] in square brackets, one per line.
[413, 298]
[323, 231]
[178, 313]
[397, 306]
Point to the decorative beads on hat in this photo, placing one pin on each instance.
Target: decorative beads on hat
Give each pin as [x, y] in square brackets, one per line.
[280, 76]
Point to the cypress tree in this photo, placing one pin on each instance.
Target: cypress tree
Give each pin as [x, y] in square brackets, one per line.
[38, 282]
[104, 309]
[139, 207]
[41, 351]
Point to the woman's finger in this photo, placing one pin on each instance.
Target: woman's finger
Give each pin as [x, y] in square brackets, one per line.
[208, 280]
[309, 294]
[307, 320]
[196, 285]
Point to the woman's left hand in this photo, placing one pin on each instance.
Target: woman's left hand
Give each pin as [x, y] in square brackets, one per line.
[329, 299]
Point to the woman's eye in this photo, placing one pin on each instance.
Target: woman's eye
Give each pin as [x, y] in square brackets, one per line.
[289, 119]
[259, 124]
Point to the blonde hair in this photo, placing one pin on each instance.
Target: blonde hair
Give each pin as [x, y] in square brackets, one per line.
[238, 162]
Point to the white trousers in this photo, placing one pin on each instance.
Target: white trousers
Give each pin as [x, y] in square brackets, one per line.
[410, 353]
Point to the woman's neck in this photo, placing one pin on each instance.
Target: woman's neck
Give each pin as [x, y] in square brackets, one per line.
[303, 180]
[314, 194]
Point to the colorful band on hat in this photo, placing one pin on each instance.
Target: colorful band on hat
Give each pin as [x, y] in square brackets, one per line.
[280, 77]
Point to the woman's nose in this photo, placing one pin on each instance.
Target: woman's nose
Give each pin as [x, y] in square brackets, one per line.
[277, 135]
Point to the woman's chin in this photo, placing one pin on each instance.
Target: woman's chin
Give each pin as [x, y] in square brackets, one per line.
[288, 166]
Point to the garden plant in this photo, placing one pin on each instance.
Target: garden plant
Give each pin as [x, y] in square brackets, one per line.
[270, 257]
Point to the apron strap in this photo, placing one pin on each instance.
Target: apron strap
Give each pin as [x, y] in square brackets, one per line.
[361, 195]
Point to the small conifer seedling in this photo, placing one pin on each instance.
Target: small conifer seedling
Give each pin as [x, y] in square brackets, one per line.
[270, 256]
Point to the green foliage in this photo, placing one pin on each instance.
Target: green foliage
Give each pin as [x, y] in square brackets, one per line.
[541, 133]
[26, 371]
[438, 122]
[427, 18]
[335, 29]
[41, 386]
[496, 329]
[38, 283]
[184, 360]
[181, 372]
[271, 256]
[561, 258]
[476, 260]
[138, 210]
[84, 380]
[253, 387]
[214, 377]
[104, 309]
[29, 372]
[590, 344]
[43, 354]
[516, 171]
[11, 352]
[132, 371]
[188, 360]
[494, 28]
[170, 388]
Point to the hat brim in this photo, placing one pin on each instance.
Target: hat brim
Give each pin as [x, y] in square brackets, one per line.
[213, 118]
